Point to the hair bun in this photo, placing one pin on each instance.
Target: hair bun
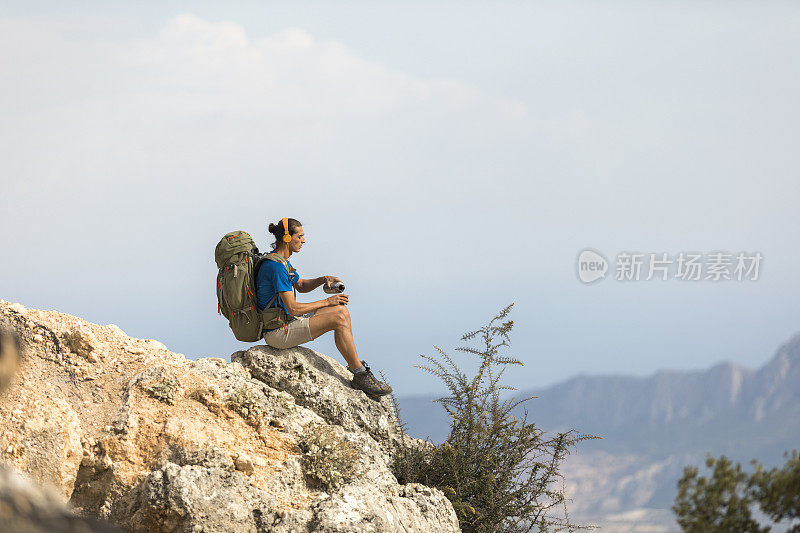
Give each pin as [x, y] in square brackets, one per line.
[272, 227]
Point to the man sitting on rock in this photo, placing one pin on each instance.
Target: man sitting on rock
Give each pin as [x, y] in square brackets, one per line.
[307, 321]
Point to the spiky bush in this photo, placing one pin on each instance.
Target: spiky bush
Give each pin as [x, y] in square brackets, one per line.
[500, 473]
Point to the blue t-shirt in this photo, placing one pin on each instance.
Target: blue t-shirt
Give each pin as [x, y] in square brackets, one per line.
[271, 279]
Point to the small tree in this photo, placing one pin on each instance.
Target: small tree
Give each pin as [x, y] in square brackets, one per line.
[725, 500]
[500, 473]
[777, 490]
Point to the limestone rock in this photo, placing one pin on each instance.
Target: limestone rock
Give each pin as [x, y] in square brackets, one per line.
[193, 492]
[365, 508]
[244, 463]
[16, 308]
[321, 384]
[29, 508]
[82, 342]
[9, 357]
[155, 442]
[42, 438]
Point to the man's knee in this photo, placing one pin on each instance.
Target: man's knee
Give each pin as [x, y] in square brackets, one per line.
[342, 317]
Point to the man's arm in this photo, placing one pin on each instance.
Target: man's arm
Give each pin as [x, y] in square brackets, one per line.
[296, 308]
[308, 285]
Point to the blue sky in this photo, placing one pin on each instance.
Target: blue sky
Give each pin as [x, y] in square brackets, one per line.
[445, 161]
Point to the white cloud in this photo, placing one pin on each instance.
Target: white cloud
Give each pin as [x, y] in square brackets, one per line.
[209, 68]
[106, 132]
[201, 95]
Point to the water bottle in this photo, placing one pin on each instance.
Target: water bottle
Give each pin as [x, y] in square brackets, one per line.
[335, 288]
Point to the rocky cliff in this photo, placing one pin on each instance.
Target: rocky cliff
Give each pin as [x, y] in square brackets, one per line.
[276, 440]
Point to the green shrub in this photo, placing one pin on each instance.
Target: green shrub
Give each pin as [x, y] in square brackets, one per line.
[244, 401]
[164, 389]
[724, 501]
[328, 459]
[500, 473]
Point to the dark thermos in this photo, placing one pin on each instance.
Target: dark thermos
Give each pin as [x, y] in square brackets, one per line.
[335, 288]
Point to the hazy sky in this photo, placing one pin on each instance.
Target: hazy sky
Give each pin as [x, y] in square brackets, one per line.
[444, 160]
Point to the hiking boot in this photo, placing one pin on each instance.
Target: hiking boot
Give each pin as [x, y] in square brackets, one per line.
[366, 382]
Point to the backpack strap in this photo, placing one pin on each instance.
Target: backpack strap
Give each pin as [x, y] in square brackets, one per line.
[278, 258]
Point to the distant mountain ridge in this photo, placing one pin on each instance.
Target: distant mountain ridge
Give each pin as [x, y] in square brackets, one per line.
[668, 412]
[734, 410]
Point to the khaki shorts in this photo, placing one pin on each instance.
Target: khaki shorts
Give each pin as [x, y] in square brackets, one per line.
[297, 332]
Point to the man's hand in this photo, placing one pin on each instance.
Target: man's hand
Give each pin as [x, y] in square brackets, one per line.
[337, 299]
[328, 280]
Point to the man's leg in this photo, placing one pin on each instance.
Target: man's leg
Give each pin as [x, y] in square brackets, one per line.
[336, 318]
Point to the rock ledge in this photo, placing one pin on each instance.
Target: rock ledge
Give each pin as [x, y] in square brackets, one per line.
[122, 429]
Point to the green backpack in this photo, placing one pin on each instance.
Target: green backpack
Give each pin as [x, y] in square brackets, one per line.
[238, 260]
